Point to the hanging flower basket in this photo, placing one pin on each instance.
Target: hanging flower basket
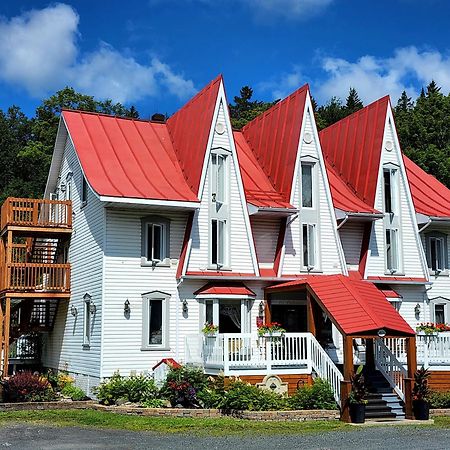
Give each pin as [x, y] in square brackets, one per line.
[271, 329]
[210, 330]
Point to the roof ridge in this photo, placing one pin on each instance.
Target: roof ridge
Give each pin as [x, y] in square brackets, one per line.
[111, 116]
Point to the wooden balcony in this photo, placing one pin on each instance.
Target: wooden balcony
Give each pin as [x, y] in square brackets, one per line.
[53, 216]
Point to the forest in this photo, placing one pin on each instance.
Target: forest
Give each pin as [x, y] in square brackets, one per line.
[26, 143]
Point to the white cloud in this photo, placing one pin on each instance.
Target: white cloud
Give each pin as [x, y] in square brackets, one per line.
[287, 9]
[407, 69]
[284, 85]
[38, 52]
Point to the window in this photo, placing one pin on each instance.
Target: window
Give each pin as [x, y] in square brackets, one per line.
[392, 256]
[84, 191]
[439, 313]
[230, 315]
[155, 241]
[390, 191]
[309, 245]
[154, 320]
[307, 185]
[87, 318]
[219, 178]
[436, 250]
[218, 242]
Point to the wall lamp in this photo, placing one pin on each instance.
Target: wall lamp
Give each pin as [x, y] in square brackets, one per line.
[73, 311]
[92, 307]
[126, 307]
[185, 306]
[417, 310]
[261, 309]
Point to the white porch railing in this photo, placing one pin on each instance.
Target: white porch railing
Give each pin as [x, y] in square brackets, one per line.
[247, 354]
[432, 350]
[392, 369]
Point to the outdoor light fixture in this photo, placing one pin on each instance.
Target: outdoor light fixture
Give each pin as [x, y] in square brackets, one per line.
[185, 306]
[417, 309]
[63, 187]
[381, 333]
[261, 309]
[73, 311]
[92, 307]
[126, 307]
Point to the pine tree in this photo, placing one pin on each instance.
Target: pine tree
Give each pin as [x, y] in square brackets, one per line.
[404, 104]
[353, 102]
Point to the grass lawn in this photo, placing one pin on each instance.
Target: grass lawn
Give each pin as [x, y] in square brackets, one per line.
[218, 426]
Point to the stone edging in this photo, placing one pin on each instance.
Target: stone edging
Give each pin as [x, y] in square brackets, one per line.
[299, 415]
[440, 412]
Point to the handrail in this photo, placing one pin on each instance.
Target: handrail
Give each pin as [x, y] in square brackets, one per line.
[325, 368]
[392, 369]
[36, 213]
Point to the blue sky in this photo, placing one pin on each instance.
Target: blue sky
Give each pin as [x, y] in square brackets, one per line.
[157, 53]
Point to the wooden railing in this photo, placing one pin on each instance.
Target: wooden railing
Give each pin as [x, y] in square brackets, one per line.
[36, 213]
[37, 277]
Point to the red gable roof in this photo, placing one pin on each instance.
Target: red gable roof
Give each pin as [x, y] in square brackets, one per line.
[127, 158]
[259, 191]
[225, 289]
[352, 147]
[358, 307]
[274, 138]
[189, 130]
[429, 195]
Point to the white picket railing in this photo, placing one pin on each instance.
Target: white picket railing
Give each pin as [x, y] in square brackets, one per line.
[248, 354]
[392, 369]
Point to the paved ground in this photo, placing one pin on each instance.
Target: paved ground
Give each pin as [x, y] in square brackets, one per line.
[27, 437]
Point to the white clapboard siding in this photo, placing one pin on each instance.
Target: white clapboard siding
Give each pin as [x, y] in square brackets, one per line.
[240, 239]
[328, 246]
[265, 233]
[64, 345]
[411, 296]
[410, 247]
[351, 234]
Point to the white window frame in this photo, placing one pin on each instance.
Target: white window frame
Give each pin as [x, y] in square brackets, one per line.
[219, 178]
[312, 166]
[221, 244]
[393, 172]
[147, 298]
[246, 308]
[148, 225]
[435, 237]
[311, 245]
[87, 320]
[392, 263]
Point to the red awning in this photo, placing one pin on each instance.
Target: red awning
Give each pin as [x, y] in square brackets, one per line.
[224, 289]
[356, 307]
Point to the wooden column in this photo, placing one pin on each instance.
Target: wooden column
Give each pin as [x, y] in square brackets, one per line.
[348, 372]
[411, 357]
[370, 356]
[310, 319]
[7, 319]
[267, 313]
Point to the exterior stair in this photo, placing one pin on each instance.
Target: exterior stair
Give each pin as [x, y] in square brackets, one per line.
[383, 403]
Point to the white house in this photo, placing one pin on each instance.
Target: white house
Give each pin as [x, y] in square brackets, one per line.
[335, 235]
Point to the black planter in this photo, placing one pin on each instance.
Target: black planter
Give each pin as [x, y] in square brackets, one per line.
[357, 412]
[421, 409]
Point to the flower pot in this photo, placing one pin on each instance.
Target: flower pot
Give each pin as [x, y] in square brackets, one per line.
[274, 334]
[421, 409]
[213, 334]
[357, 412]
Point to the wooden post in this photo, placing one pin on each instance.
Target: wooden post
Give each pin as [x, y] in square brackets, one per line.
[267, 313]
[411, 358]
[310, 319]
[348, 372]
[370, 357]
[7, 318]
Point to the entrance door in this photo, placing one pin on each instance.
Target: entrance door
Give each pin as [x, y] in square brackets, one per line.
[291, 317]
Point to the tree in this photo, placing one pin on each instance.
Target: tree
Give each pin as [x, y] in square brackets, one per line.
[330, 113]
[353, 102]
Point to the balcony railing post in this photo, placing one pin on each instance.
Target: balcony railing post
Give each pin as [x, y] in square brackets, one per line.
[268, 353]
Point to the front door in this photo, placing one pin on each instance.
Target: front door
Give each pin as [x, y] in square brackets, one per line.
[291, 317]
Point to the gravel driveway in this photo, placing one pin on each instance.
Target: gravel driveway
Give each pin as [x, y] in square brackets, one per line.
[37, 437]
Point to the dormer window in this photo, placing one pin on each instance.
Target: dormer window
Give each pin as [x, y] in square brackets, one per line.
[392, 256]
[436, 252]
[307, 185]
[390, 190]
[309, 246]
[219, 175]
[155, 241]
[218, 242]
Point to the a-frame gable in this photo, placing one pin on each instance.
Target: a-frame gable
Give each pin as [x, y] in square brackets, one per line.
[240, 249]
[412, 258]
[328, 249]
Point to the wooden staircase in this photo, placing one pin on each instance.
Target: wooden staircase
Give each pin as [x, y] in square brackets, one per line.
[34, 272]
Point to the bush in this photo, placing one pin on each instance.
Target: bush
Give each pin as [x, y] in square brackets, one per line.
[58, 380]
[29, 387]
[136, 389]
[439, 400]
[182, 386]
[243, 396]
[73, 392]
[317, 396]
[212, 395]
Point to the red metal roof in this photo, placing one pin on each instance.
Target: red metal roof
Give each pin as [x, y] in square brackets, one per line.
[429, 195]
[398, 279]
[356, 306]
[259, 191]
[390, 293]
[225, 289]
[343, 196]
[169, 361]
[274, 137]
[127, 158]
[189, 130]
[352, 147]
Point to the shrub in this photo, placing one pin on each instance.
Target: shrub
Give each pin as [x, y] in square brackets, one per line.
[58, 380]
[212, 395]
[135, 388]
[182, 386]
[317, 396]
[29, 387]
[243, 396]
[73, 392]
[439, 400]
